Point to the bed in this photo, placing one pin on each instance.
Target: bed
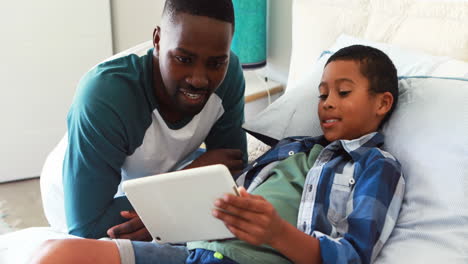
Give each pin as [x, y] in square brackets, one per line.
[428, 42]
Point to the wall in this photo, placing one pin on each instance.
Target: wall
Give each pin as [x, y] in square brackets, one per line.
[45, 47]
[279, 40]
[133, 22]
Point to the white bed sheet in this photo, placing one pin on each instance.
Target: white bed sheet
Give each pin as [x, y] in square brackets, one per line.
[17, 247]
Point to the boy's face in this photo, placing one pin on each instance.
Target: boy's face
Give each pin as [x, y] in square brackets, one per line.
[347, 109]
[193, 57]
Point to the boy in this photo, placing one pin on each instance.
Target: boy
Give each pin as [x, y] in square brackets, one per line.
[335, 201]
[353, 193]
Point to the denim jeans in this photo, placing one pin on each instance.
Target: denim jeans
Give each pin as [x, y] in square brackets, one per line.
[154, 253]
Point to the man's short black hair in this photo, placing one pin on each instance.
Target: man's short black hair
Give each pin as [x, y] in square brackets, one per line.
[376, 66]
[218, 9]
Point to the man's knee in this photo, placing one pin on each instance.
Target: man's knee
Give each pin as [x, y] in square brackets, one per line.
[78, 251]
[54, 251]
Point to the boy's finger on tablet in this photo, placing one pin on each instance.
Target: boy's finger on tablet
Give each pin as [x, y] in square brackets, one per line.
[242, 191]
[250, 203]
[229, 213]
[230, 219]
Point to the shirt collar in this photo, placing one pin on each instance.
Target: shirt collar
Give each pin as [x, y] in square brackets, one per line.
[356, 147]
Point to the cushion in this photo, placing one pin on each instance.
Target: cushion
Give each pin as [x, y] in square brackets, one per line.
[427, 133]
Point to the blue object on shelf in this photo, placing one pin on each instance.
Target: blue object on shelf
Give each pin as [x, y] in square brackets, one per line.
[249, 42]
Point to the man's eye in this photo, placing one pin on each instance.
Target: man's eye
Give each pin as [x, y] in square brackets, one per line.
[217, 65]
[323, 96]
[183, 59]
[344, 93]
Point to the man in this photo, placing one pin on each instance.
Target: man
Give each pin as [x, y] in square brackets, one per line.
[138, 116]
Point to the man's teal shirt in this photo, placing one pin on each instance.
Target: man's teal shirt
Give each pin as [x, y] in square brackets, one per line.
[115, 132]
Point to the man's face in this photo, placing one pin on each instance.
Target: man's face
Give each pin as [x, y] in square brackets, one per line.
[347, 109]
[193, 57]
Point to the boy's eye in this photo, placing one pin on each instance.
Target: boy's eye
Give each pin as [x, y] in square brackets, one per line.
[344, 93]
[183, 59]
[323, 96]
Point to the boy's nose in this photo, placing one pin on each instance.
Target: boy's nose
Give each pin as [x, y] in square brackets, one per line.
[329, 103]
[328, 106]
[198, 79]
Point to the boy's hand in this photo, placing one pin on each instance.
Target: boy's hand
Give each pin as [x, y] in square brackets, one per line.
[249, 217]
[133, 229]
[232, 158]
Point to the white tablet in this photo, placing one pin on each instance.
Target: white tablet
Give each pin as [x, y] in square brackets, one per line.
[176, 207]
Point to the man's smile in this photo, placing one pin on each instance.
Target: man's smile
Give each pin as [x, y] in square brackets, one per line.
[194, 96]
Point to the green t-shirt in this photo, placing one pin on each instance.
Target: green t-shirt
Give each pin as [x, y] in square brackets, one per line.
[283, 189]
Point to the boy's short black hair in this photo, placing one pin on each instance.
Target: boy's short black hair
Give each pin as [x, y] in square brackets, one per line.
[376, 66]
[218, 9]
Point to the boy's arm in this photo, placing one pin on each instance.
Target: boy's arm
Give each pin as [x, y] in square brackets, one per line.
[377, 199]
[253, 219]
[297, 246]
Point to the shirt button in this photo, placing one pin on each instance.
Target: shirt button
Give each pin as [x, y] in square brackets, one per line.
[291, 153]
[352, 181]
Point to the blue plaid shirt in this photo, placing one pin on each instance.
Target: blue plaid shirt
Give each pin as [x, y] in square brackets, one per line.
[351, 197]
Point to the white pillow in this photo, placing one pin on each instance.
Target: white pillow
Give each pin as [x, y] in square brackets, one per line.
[292, 114]
[427, 133]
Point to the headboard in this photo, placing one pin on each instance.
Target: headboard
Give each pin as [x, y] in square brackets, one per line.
[436, 27]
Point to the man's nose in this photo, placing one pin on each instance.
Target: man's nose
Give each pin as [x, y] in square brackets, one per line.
[198, 78]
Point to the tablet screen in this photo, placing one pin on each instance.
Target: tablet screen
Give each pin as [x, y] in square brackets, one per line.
[176, 207]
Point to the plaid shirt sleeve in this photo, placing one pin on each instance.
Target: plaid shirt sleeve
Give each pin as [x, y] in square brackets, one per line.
[375, 204]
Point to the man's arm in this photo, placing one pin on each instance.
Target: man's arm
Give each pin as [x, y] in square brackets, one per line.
[227, 132]
[92, 167]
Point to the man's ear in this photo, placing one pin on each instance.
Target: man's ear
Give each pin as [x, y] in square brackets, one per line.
[156, 39]
[385, 102]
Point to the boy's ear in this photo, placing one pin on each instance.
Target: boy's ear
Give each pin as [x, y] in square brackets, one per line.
[156, 39]
[385, 103]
